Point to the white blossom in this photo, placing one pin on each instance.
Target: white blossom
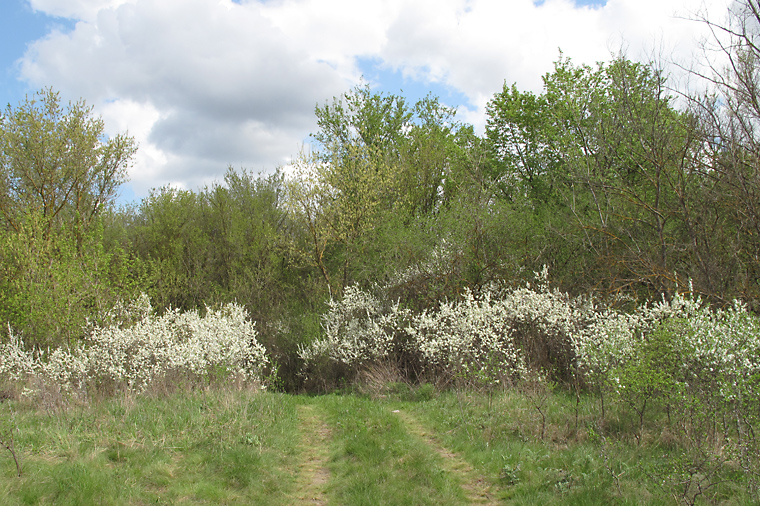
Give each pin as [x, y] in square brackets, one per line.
[136, 354]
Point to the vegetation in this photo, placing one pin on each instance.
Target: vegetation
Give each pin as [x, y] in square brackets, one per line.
[569, 294]
[403, 445]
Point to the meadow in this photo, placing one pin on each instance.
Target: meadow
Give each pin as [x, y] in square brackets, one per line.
[562, 310]
[376, 444]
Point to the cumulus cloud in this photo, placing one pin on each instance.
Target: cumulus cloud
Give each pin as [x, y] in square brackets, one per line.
[203, 84]
[478, 48]
[220, 83]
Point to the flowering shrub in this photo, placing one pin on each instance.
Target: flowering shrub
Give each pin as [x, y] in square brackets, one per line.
[134, 355]
[702, 364]
[544, 322]
[495, 334]
[609, 338]
[15, 362]
[178, 342]
[501, 333]
[466, 337]
[720, 344]
[358, 329]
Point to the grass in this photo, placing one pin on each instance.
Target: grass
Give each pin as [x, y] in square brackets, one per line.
[376, 461]
[193, 447]
[572, 464]
[408, 446]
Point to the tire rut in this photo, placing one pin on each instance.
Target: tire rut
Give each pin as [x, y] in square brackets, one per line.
[312, 473]
[475, 486]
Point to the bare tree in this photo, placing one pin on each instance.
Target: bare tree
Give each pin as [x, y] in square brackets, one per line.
[729, 114]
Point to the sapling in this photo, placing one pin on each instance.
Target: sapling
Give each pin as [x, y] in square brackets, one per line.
[9, 445]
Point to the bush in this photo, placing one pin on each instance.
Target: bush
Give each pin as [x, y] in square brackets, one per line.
[495, 335]
[132, 356]
[359, 329]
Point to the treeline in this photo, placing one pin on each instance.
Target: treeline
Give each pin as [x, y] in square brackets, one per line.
[623, 188]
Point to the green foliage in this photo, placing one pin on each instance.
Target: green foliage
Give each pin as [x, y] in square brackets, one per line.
[606, 153]
[50, 286]
[57, 176]
[227, 242]
[384, 169]
[654, 372]
[58, 164]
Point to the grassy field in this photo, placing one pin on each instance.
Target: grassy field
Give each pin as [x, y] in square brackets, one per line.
[398, 446]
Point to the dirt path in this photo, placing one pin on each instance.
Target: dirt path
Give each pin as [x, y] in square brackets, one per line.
[476, 488]
[313, 474]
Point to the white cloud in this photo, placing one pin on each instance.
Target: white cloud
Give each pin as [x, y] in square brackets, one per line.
[476, 50]
[218, 83]
[86, 10]
[206, 83]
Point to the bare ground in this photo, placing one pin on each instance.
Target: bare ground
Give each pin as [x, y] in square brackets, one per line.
[312, 473]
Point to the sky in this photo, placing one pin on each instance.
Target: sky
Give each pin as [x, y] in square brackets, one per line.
[203, 85]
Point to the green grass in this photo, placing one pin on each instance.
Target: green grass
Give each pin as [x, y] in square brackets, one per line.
[245, 447]
[573, 464]
[376, 461]
[196, 448]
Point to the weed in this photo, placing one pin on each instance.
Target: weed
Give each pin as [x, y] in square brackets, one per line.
[510, 475]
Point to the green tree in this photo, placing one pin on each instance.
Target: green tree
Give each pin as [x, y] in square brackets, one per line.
[607, 160]
[168, 236]
[339, 203]
[59, 164]
[362, 118]
[383, 169]
[58, 176]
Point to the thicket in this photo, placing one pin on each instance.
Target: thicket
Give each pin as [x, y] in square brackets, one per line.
[624, 189]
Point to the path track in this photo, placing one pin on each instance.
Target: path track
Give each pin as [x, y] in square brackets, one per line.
[312, 473]
[476, 487]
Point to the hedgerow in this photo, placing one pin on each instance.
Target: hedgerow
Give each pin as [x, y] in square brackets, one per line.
[698, 363]
[496, 332]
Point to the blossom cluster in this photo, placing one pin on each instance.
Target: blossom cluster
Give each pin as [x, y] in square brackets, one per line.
[510, 331]
[720, 342]
[137, 349]
[472, 335]
[495, 332]
[720, 347]
[358, 329]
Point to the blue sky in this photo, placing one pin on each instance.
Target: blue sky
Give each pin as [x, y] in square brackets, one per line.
[20, 25]
[204, 84]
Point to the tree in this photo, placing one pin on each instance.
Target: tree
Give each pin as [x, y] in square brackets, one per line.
[58, 163]
[729, 114]
[339, 203]
[608, 158]
[58, 173]
[428, 154]
[362, 118]
[381, 165]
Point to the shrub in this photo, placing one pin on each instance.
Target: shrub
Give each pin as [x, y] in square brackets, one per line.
[467, 337]
[136, 350]
[492, 336]
[359, 329]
